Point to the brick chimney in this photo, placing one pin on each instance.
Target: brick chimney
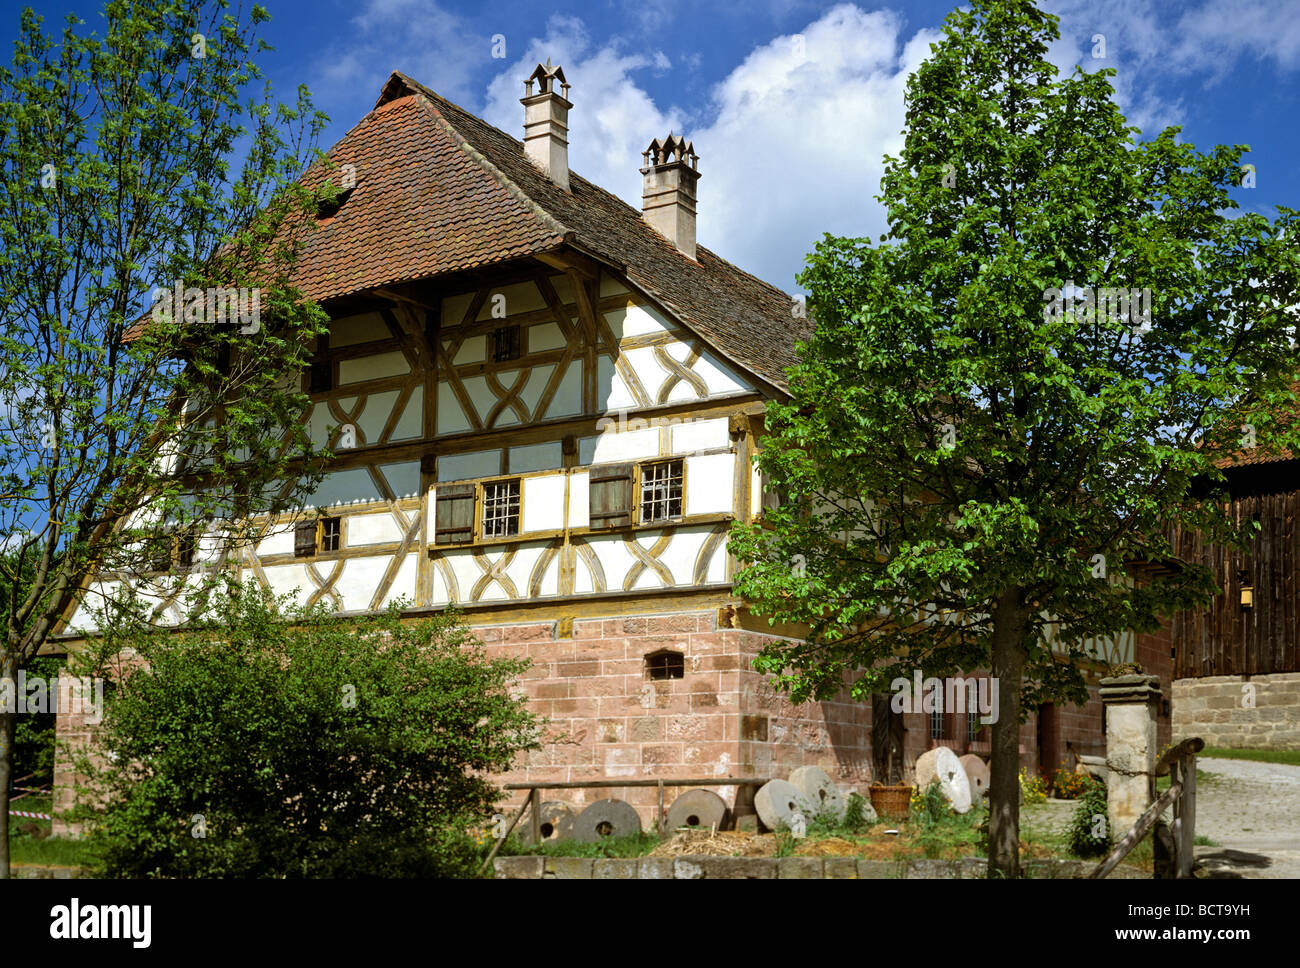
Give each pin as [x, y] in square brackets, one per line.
[668, 194]
[546, 123]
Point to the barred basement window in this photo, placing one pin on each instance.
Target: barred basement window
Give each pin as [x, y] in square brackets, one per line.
[331, 534]
[505, 343]
[501, 509]
[936, 725]
[972, 726]
[665, 664]
[661, 491]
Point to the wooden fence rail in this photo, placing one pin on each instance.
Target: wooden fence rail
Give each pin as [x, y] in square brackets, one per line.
[1180, 763]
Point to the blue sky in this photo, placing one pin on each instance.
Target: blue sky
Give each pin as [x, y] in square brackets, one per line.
[791, 104]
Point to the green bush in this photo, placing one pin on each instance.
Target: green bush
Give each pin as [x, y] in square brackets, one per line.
[855, 812]
[279, 741]
[931, 807]
[1088, 833]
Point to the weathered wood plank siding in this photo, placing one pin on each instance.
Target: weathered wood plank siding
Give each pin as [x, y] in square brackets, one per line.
[1227, 639]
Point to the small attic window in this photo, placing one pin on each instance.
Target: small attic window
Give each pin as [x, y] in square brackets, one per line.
[665, 664]
[328, 205]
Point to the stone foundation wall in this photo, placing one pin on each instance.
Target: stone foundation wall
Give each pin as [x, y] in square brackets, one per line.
[610, 719]
[1250, 712]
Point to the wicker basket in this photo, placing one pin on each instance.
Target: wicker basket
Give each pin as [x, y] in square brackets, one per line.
[890, 801]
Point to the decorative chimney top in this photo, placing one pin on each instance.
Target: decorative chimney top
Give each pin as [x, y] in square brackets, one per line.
[668, 190]
[546, 122]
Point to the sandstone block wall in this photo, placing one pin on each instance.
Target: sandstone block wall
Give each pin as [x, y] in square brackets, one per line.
[1247, 712]
[610, 719]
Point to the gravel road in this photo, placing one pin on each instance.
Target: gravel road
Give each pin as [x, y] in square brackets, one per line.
[1252, 810]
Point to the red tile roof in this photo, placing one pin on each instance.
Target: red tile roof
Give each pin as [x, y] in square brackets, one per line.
[440, 191]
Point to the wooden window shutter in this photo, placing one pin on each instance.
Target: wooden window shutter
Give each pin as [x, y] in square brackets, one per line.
[611, 496]
[304, 539]
[454, 513]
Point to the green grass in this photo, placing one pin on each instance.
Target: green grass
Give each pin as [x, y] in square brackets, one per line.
[51, 852]
[48, 852]
[1289, 757]
[633, 845]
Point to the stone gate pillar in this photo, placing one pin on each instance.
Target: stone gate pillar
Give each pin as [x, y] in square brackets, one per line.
[1132, 703]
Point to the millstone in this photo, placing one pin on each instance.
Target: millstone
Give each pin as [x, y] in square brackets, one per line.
[820, 791]
[605, 819]
[942, 764]
[977, 772]
[557, 822]
[697, 808]
[776, 801]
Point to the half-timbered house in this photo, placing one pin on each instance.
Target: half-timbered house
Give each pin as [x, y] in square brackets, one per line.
[545, 405]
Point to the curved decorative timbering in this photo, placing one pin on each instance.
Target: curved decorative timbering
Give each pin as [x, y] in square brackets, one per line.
[414, 398]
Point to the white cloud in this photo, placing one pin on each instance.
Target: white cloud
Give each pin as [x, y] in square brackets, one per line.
[433, 45]
[613, 118]
[798, 142]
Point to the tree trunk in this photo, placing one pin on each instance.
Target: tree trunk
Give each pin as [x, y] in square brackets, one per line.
[1009, 624]
[8, 721]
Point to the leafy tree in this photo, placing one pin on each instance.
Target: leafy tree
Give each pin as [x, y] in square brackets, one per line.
[977, 456]
[273, 740]
[133, 433]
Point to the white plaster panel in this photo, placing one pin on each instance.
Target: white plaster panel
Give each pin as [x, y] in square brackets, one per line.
[568, 395]
[483, 399]
[682, 551]
[454, 308]
[648, 371]
[451, 418]
[472, 350]
[719, 377]
[709, 482]
[579, 499]
[411, 423]
[375, 367]
[694, 435]
[543, 503]
[351, 330]
[521, 569]
[359, 580]
[345, 487]
[611, 392]
[536, 457]
[466, 571]
[613, 446]
[375, 414]
[278, 542]
[367, 529]
[439, 591]
[545, 336]
[560, 283]
[318, 424]
[403, 582]
[636, 321]
[460, 467]
[611, 285]
[522, 297]
[403, 478]
[531, 395]
[285, 579]
[614, 559]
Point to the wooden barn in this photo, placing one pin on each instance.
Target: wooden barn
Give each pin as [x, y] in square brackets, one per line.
[1237, 663]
